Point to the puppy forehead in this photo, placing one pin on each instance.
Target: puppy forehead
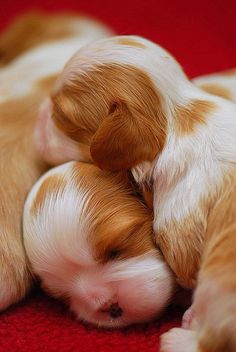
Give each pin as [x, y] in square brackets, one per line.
[133, 50]
[92, 212]
[50, 186]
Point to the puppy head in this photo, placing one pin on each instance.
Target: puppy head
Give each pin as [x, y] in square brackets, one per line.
[90, 242]
[113, 97]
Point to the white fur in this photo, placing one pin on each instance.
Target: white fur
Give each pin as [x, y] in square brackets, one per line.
[49, 138]
[225, 81]
[179, 340]
[46, 59]
[188, 167]
[191, 167]
[18, 80]
[58, 246]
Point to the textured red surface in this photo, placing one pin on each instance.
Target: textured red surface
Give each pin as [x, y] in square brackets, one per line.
[41, 324]
[202, 36]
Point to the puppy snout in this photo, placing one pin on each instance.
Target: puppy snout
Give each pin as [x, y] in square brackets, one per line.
[113, 309]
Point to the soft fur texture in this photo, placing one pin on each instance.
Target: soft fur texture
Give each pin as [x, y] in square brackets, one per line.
[90, 241]
[26, 78]
[179, 141]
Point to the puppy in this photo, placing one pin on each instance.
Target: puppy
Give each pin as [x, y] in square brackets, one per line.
[90, 240]
[222, 84]
[26, 78]
[129, 102]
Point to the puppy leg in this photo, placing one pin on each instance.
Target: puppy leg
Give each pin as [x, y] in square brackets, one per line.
[188, 318]
[212, 317]
[179, 340]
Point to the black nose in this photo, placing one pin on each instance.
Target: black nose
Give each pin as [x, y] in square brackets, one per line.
[115, 311]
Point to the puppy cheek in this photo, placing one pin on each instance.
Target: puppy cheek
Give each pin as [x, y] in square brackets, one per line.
[52, 144]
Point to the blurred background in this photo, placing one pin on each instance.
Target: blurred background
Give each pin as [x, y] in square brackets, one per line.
[200, 34]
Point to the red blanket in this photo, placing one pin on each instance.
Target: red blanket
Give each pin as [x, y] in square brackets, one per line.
[202, 36]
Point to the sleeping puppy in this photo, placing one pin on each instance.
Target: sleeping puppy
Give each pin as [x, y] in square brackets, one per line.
[90, 241]
[222, 84]
[128, 102]
[26, 78]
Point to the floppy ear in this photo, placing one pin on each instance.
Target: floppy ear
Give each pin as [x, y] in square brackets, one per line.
[124, 139]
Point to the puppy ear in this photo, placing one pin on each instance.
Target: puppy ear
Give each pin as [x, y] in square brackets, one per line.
[125, 138]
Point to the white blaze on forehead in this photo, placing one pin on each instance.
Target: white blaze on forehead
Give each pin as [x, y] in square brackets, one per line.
[58, 231]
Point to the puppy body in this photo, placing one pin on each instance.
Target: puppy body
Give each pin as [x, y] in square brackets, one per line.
[222, 84]
[90, 241]
[25, 82]
[178, 140]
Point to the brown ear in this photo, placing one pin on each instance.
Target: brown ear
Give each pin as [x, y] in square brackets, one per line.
[124, 139]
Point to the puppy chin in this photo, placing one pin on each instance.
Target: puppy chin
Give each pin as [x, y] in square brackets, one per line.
[53, 145]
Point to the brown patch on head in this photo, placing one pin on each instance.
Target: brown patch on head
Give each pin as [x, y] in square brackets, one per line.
[120, 225]
[31, 30]
[117, 110]
[130, 42]
[217, 89]
[188, 117]
[50, 186]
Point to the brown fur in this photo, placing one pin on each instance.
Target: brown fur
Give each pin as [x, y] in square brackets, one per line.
[130, 42]
[188, 117]
[30, 30]
[49, 186]
[230, 72]
[123, 236]
[217, 89]
[183, 243]
[125, 128]
[20, 163]
[20, 168]
[147, 193]
[46, 82]
[215, 303]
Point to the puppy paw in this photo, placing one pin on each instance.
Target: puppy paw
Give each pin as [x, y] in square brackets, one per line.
[179, 340]
[188, 318]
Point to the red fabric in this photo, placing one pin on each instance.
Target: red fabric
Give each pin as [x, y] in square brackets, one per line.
[41, 324]
[202, 36]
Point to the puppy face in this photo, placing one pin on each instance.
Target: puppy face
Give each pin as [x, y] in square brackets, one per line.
[108, 101]
[90, 242]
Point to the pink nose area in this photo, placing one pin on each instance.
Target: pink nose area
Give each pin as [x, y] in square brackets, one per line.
[113, 309]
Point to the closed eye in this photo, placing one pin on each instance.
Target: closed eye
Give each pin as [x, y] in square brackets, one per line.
[113, 254]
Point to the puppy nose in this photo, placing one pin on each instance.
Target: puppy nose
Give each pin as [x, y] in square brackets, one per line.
[113, 309]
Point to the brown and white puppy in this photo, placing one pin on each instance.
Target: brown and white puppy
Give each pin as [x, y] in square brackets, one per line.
[128, 101]
[25, 80]
[90, 240]
[222, 84]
